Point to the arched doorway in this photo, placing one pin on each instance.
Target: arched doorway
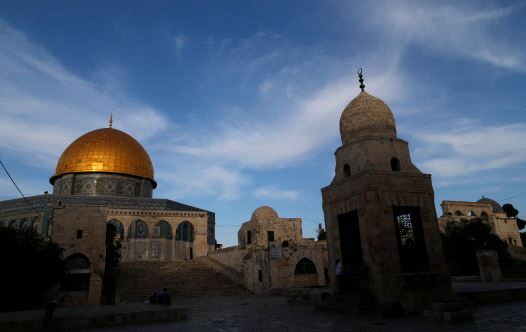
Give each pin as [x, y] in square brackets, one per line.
[184, 240]
[162, 241]
[305, 274]
[76, 277]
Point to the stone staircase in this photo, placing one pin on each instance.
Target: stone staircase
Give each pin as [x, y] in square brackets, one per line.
[140, 279]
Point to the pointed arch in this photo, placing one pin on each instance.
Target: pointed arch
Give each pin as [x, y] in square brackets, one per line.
[118, 227]
[305, 266]
[162, 230]
[77, 269]
[185, 232]
[141, 229]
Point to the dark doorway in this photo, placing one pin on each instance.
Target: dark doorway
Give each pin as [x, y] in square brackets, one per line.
[410, 237]
[350, 241]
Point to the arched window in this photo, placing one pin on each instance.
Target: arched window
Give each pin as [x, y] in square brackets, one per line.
[471, 214]
[305, 266]
[395, 165]
[484, 216]
[285, 244]
[119, 228]
[141, 230]
[77, 273]
[346, 171]
[163, 230]
[185, 232]
[458, 213]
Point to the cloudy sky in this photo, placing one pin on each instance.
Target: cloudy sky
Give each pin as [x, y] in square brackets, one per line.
[238, 102]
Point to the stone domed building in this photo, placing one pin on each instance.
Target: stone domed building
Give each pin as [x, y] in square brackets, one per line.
[488, 211]
[103, 184]
[379, 211]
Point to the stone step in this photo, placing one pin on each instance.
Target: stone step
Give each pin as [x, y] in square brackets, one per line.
[139, 280]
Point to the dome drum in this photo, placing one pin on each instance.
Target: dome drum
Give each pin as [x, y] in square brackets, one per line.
[102, 184]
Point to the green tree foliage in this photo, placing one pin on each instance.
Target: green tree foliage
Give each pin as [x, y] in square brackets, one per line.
[30, 266]
[462, 239]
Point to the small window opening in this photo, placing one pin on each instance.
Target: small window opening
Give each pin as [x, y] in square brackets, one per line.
[79, 233]
[285, 244]
[395, 165]
[260, 276]
[346, 171]
[249, 237]
[270, 235]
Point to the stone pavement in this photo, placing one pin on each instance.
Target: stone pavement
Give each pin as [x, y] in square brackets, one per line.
[263, 313]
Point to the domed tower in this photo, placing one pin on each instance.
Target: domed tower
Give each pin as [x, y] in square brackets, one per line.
[379, 208]
[105, 161]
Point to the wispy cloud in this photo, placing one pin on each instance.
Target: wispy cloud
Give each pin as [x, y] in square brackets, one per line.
[451, 29]
[179, 42]
[272, 192]
[43, 106]
[467, 150]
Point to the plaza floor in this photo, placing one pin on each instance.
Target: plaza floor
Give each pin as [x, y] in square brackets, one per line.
[263, 313]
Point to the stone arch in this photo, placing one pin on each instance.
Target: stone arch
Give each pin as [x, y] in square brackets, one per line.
[137, 240]
[185, 232]
[305, 273]
[161, 244]
[119, 227]
[76, 278]
[471, 213]
[162, 230]
[458, 213]
[395, 165]
[346, 170]
[141, 229]
[184, 240]
[484, 216]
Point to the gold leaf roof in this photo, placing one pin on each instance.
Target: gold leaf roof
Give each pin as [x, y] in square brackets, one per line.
[105, 150]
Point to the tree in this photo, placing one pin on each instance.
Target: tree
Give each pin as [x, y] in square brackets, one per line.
[462, 240]
[30, 266]
[512, 212]
[322, 234]
[111, 271]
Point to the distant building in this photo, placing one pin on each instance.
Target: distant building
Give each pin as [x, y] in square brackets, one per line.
[272, 256]
[485, 209]
[103, 183]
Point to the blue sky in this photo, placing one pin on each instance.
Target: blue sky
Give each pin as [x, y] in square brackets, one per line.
[238, 102]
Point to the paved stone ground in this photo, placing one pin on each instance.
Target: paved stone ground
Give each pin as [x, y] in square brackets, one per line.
[260, 313]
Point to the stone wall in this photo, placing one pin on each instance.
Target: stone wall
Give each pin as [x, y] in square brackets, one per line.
[505, 228]
[91, 243]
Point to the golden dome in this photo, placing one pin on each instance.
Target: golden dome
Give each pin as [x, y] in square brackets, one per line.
[366, 115]
[105, 150]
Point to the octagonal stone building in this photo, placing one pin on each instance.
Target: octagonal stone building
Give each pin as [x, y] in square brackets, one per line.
[379, 211]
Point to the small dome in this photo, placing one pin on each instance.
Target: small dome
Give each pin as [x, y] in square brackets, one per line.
[496, 206]
[366, 115]
[264, 213]
[105, 150]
